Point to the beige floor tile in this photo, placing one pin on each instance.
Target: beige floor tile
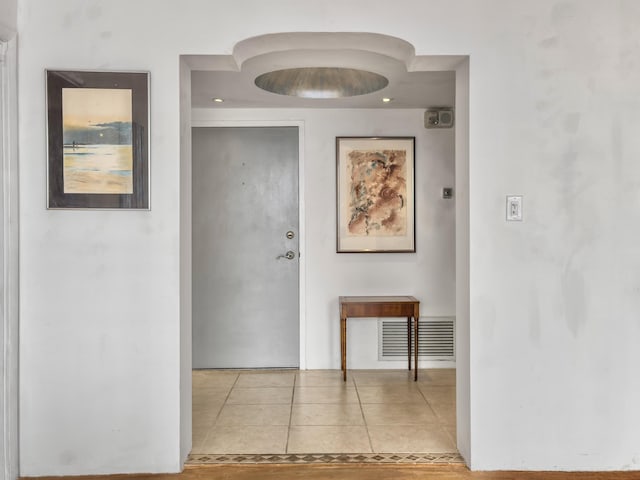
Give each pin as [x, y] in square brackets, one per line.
[203, 420]
[399, 414]
[326, 417]
[442, 400]
[246, 439]
[217, 378]
[410, 439]
[327, 414]
[377, 377]
[446, 413]
[201, 395]
[198, 448]
[208, 398]
[391, 387]
[341, 394]
[451, 430]
[257, 396]
[254, 415]
[401, 393]
[205, 415]
[439, 394]
[328, 439]
[199, 436]
[438, 376]
[322, 378]
[276, 379]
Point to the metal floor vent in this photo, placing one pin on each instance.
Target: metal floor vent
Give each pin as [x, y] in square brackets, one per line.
[436, 339]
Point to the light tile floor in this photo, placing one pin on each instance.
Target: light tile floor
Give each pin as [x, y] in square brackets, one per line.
[314, 411]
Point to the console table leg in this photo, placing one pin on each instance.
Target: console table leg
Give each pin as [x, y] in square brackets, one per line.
[409, 341]
[416, 327]
[343, 347]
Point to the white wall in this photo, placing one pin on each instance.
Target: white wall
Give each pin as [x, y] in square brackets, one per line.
[429, 274]
[554, 93]
[185, 262]
[100, 331]
[9, 242]
[463, 343]
[9, 302]
[8, 19]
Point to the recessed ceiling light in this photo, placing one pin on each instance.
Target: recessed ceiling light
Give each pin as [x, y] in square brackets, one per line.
[218, 100]
[387, 100]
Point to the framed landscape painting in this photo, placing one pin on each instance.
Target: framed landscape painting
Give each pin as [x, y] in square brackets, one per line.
[98, 139]
[375, 194]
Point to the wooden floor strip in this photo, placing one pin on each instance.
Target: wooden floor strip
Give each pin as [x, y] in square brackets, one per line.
[354, 472]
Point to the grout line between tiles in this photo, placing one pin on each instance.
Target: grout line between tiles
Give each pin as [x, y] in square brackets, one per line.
[433, 410]
[366, 427]
[293, 393]
[215, 421]
[224, 404]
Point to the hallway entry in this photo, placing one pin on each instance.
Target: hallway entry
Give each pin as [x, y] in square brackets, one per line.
[245, 247]
[284, 416]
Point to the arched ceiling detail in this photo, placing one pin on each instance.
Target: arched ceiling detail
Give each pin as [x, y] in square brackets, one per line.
[414, 81]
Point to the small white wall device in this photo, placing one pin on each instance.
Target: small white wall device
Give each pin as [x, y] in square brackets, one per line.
[514, 208]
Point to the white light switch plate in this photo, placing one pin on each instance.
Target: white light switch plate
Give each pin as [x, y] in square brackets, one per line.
[514, 208]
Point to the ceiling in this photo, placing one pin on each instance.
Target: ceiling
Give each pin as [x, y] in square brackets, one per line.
[414, 82]
[410, 90]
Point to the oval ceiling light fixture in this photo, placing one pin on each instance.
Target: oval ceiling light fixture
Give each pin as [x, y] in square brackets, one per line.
[321, 82]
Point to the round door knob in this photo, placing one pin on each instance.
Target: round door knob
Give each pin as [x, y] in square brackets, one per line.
[290, 255]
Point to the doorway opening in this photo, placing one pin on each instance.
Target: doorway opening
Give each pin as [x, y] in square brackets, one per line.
[326, 274]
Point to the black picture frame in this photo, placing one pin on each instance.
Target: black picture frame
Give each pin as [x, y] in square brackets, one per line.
[132, 137]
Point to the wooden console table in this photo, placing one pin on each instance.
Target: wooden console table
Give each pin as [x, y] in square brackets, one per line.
[360, 307]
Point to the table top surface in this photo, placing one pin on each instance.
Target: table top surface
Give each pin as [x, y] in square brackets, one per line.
[375, 299]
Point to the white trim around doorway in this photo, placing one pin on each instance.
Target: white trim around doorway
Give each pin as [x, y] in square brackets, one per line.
[9, 241]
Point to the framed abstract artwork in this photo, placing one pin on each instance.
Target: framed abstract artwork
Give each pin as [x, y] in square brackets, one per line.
[375, 194]
[98, 139]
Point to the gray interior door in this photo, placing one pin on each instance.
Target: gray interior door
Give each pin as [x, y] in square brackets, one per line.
[245, 286]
